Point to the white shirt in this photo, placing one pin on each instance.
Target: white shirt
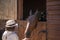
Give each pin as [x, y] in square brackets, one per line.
[8, 35]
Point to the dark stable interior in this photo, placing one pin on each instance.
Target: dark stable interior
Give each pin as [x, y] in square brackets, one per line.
[34, 5]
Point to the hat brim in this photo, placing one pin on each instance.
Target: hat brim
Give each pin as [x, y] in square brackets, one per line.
[15, 25]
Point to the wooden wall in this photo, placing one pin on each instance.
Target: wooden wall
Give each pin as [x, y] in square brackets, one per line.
[19, 9]
[8, 9]
[2, 23]
[53, 19]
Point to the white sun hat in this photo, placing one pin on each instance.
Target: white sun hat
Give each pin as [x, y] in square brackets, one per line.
[11, 23]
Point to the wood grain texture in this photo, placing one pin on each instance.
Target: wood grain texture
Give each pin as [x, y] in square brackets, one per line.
[19, 9]
[53, 19]
[8, 9]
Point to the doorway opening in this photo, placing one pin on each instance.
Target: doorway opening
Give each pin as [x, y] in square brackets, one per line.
[34, 5]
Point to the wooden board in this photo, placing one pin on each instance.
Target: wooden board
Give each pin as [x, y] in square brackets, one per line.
[8, 9]
[53, 19]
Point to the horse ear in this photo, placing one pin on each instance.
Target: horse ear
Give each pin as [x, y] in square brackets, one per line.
[36, 12]
[30, 12]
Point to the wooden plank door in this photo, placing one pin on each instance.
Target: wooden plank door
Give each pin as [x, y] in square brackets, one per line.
[8, 9]
[53, 19]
